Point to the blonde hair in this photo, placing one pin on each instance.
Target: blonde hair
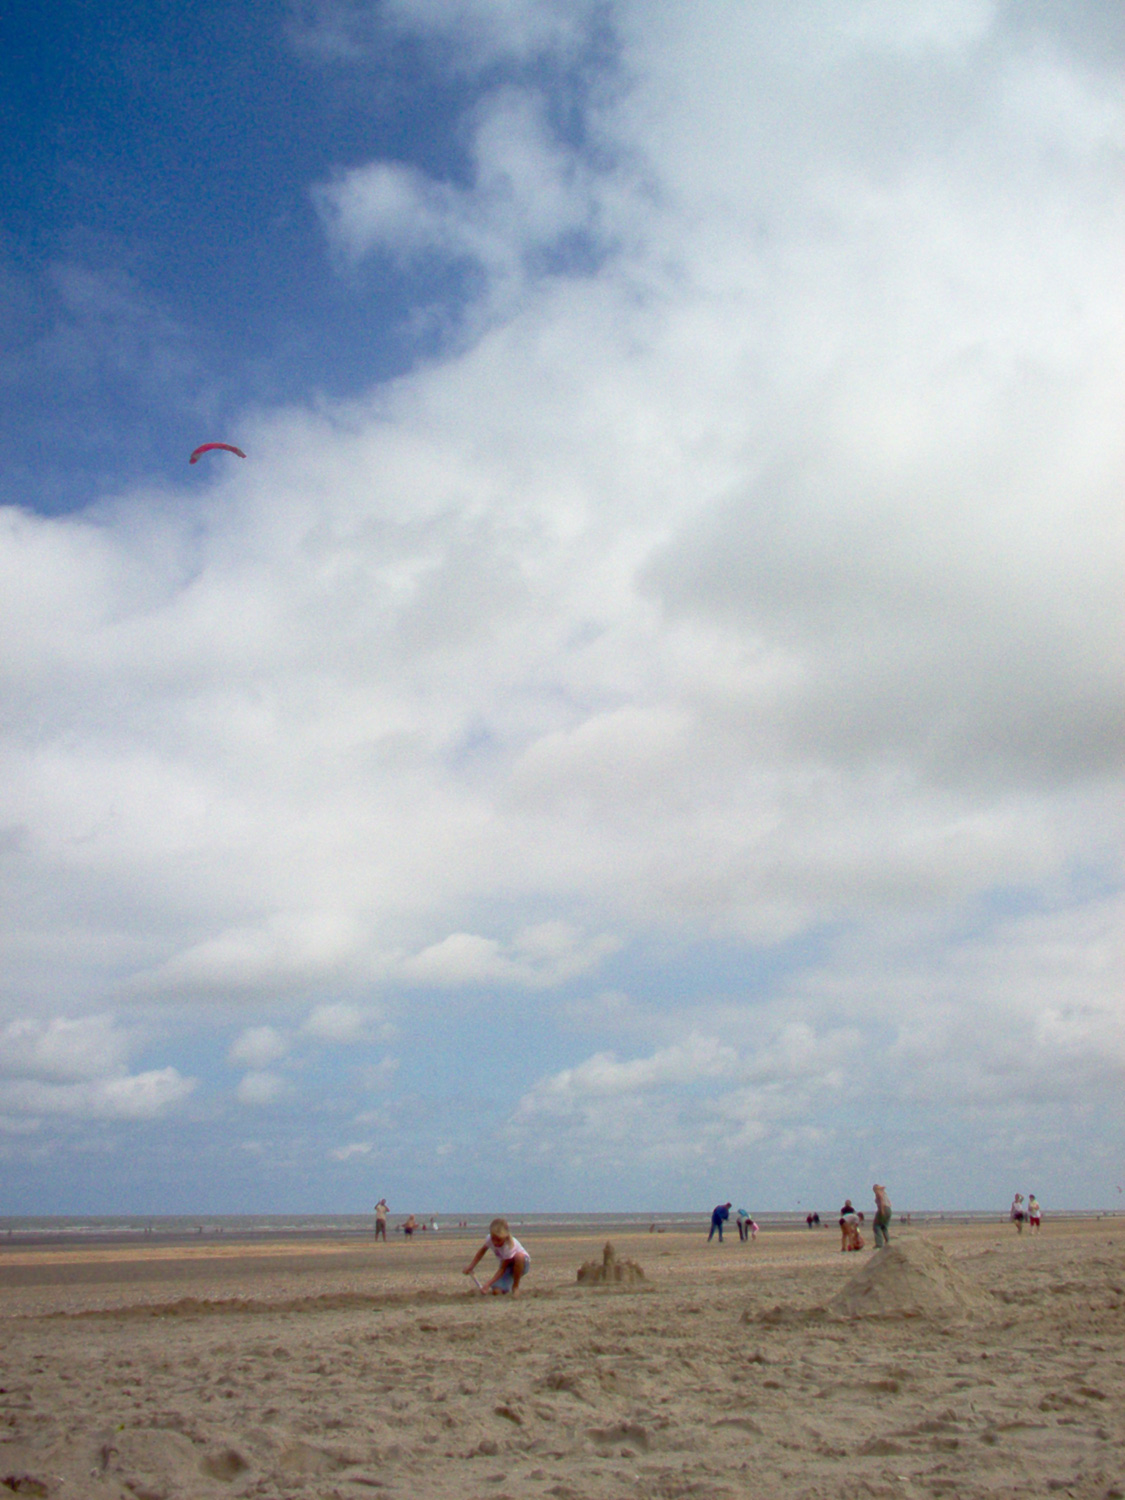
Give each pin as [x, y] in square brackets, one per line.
[499, 1227]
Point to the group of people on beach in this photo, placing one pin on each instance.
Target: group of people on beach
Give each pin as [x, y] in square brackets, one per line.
[1029, 1211]
[409, 1226]
[851, 1236]
[513, 1261]
[744, 1223]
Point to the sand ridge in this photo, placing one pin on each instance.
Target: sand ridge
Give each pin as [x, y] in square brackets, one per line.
[83, 1255]
[368, 1374]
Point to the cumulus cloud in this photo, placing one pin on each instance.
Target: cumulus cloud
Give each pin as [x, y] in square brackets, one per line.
[284, 948]
[261, 1087]
[749, 579]
[62, 1050]
[78, 1068]
[1029, 1009]
[530, 205]
[258, 1047]
[912, 1035]
[136, 1096]
[699, 1099]
[603, 1076]
[539, 957]
[375, 1077]
[351, 1150]
[340, 1024]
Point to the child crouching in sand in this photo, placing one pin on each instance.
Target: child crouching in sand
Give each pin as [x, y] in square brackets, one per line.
[514, 1259]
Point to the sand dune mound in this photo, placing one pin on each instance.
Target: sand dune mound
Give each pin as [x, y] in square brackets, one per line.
[609, 1270]
[911, 1279]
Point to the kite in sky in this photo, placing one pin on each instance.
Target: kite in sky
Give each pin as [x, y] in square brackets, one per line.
[206, 448]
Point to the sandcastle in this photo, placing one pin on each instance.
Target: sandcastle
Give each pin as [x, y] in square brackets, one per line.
[609, 1270]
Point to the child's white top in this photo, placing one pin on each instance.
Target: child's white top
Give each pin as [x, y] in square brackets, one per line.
[508, 1250]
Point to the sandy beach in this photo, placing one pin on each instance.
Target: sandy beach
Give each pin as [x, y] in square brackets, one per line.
[968, 1361]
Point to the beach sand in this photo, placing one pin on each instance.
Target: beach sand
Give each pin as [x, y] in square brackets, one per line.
[994, 1365]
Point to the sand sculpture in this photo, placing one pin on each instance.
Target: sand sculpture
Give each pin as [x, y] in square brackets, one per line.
[609, 1270]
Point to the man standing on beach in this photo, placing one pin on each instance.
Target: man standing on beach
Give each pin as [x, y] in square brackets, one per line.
[719, 1216]
[882, 1216]
[381, 1212]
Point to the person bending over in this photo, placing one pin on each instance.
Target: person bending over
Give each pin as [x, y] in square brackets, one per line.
[719, 1216]
[514, 1259]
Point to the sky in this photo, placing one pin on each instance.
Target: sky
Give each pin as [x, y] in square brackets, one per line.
[642, 725]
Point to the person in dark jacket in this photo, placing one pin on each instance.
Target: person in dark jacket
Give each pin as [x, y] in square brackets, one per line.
[719, 1216]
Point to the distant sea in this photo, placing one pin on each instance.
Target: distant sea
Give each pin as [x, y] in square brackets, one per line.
[175, 1227]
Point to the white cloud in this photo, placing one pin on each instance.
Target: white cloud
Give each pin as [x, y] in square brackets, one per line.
[539, 957]
[62, 1050]
[755, 583]
[375, 1077]
[142, 1096]
[340, 1024]
[919, 30]
[992, 1038]
[700, 1098]
[78, 1069]
[258, 1047]
[353, 1149]
[1030, 1010]
[602, 1076]
[528, 195]
[286, 948]
[137, 1096]
[261, 1087]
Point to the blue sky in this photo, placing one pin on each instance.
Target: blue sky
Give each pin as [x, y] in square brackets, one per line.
[164, 261]
[642, 725]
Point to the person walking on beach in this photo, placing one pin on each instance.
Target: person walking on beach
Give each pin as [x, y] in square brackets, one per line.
[1016, 1212]
[381, 1212]
[719, 1216]
[514, 1260]
[882, 1216]
[1034, 1213]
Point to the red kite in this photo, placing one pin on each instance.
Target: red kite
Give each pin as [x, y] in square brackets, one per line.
[206, 448]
